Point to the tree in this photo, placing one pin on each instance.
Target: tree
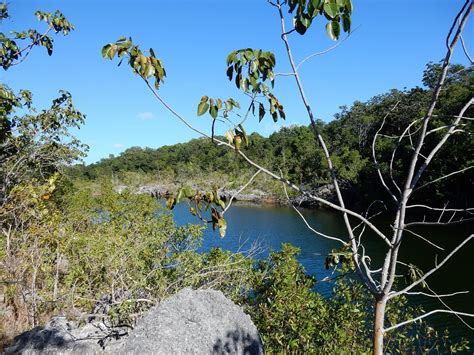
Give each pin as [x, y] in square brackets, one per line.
[34, 146]
[253, 73]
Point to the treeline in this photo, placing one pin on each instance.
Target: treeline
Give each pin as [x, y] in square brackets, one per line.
[350, 136]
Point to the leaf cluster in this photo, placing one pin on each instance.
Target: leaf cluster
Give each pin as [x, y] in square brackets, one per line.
[337, 12]
[147, 66]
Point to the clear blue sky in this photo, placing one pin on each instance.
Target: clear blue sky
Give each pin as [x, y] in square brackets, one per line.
[389, 50]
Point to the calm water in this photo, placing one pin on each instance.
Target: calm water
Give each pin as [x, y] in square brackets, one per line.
[272, 226]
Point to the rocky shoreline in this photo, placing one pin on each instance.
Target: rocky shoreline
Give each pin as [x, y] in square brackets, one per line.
[254, 196]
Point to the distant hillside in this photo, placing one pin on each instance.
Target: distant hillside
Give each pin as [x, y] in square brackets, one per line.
[295, 152]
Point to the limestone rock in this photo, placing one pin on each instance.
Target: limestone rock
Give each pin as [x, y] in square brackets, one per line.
[190, 322]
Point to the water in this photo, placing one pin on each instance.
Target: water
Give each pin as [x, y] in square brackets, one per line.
[272, 226]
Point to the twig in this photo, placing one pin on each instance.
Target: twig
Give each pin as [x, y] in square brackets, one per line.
[240, 190]
[306, 222]
[424, 316]
[426, 275]
[326, 50]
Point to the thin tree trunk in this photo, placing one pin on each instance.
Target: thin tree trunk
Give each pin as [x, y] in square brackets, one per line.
[380, 305]
[56, 277]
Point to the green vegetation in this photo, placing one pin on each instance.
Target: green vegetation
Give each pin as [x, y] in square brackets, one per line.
[294, 150]
[68, 243]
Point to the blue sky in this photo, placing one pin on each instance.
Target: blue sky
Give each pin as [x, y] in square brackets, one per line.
[390, 48]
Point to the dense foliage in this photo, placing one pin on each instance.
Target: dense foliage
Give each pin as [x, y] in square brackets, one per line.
[98, 251]
[295, 152]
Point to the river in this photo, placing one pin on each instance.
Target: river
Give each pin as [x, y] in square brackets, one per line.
[271, 226]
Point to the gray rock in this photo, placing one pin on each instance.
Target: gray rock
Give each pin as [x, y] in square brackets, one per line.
[195, 322]
[190, 322]
[59, 336]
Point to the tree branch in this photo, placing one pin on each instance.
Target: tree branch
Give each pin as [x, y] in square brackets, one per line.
[433, 270]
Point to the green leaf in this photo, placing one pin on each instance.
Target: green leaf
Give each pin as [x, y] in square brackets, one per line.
[170, 202]
[346, 22]
[235, 103]
[237, 142]
[222, 224]
[349, 6]
[213, 111]
[281, 112]
[230, 72]
[261, 112]
[221, 204]
[180, 195]
[232, 57]
[228, 105]
[230, 136]
[105, 50]
[202, 108]
[330, 8]
[333, 30]
[243, 135]
[302, 23]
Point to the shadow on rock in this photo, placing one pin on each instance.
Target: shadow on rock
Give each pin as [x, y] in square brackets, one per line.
[238, 342]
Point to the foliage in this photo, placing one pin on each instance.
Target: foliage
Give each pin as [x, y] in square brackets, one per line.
[295, 152]
[293, 318]
[335, 11]
[11, 52]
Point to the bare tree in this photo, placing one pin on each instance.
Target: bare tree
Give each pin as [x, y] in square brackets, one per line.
[380, 282]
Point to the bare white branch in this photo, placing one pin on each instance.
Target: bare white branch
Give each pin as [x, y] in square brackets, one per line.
[240, 190]
[326, 50]
[426, 315]
[374, 157]
[306, 222]
[433, 270]
[424, 239]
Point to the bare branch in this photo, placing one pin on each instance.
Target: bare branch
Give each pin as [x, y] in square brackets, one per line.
[444, 177]
[434, 295]
[284, 74]
[240, 190]
[449, 223]
[392, 159]
[442, 209]
[374, 157]
[440, 143]
[306, 222]
[326, 50]
[269, 173]
[426, 315]
[423, 238]
[444, 304]
[464, 48]
[433, 270]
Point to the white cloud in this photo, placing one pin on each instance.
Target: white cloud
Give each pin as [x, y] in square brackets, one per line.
[146, 116]
[118, 145]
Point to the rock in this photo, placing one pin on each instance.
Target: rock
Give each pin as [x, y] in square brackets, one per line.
[59, 336]
[195, 322]
[190, 322]
[326, 192]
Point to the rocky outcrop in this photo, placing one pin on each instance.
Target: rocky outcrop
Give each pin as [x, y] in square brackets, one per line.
[326, 192]
[195, 322]
[254, 196]
[190, 322]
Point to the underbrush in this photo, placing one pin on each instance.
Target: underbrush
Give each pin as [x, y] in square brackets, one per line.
[87, 251]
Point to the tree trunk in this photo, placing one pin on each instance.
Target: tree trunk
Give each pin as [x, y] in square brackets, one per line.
[378, 325]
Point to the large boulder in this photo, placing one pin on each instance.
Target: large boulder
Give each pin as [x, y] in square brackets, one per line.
[190, 322]
[195, 322]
